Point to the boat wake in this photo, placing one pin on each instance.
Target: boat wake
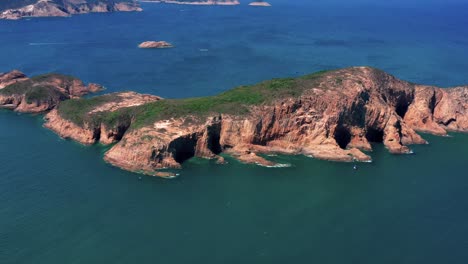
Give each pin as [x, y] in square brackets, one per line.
[46, 43]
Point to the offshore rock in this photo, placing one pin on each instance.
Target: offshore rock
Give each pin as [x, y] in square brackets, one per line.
[155, 45]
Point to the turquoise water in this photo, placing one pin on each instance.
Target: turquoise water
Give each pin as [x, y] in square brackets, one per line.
[60, 203]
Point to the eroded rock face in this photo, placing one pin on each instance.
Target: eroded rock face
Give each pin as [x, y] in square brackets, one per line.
[93, 132]
[11, 78]
[56, 8]
[335, 120]
[436, 110]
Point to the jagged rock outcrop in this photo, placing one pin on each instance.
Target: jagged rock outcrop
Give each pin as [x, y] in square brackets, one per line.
[334, 115]
[11, 78]
[93, 131]
[40, 93]
[63, 8]
[436, 110]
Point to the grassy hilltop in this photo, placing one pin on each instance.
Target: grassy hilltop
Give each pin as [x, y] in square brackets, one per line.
[235, 101]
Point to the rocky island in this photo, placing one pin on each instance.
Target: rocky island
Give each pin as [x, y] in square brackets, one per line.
[155, 45]
[12, 9]
[331, 115]
[260, 3]
[196, 2]
[40, 93]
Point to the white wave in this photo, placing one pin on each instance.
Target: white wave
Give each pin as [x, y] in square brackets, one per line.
[276, 166]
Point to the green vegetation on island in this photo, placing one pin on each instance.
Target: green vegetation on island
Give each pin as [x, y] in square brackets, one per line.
[236, 101]
[39, 89]
[14, 4]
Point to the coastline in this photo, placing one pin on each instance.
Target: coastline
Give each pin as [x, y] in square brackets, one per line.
[332, 115]
[45, 8]
[230, 3]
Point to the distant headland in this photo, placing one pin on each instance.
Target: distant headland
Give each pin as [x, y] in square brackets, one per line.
[331, 115]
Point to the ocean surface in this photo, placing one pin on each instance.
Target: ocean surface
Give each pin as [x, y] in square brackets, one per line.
[60, 203]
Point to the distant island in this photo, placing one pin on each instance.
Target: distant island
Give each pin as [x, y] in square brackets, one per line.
[260, 3]
[332, 115]
[196, 2]
[207, 2]
[17, 9]
[155, 45]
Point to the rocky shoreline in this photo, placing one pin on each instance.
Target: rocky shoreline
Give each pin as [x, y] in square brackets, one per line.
[205, 2]
[65, 8]
[333, 115]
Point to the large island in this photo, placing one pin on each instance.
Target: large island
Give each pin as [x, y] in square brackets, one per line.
[17, 9]
[332, 115]
[196, 2]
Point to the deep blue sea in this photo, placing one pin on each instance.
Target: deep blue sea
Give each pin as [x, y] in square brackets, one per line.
[60, 203]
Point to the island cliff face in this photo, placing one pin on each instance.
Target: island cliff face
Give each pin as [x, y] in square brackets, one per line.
[98, 131]
[63, 8]
[334, 119]
[333, 115]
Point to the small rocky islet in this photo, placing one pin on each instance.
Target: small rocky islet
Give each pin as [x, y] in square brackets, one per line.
[260, 3]
[155, 45]
[332, 115]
